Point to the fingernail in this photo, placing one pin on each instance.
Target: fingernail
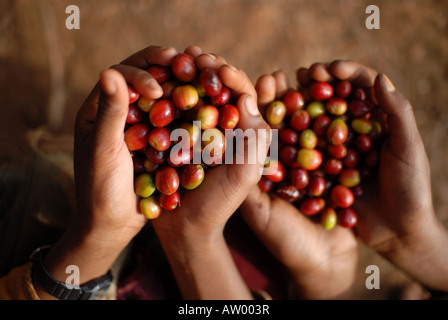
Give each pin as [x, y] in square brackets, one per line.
[251, 105]
[211, 56]
[109, 86]
[233, 68]
[387, 84]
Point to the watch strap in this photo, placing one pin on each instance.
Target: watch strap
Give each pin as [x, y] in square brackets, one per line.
[96, 288]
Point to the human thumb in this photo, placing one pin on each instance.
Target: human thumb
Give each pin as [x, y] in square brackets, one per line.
[113, 108]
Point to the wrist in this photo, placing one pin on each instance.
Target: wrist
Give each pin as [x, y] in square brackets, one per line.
[423, 255]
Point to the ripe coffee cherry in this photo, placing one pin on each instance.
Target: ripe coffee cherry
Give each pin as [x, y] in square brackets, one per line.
[210, 82]
[275, 113]
[150, 166]
[168, 88]
[293, 101]
[309, 159]
[343, 89]
[336, 106]
[321, 124]
[320, 91]
[288, 136]
[316, 109]
[328, 218]
[191, 176]
[265, 184]
[229, 117]
[158, 157]
[184, 67]
[308, 139]
[185, 97]
[145, 104]
[349, 178]
[351, 159]
[299, 178]
[135, 115]
[133, 94]
[342, 196]
[316, 187]
[159, 139]
[160, 73]
[278, 173]
[333, 166]
[358, 108]
[361, 126]
[222, 97]
[144, 185]
[347, 217]
[363, 143]
[288, 156]
[208, 115]
[138, 163]
[167, 180]
[190, 133]
[150, 207]
[169, 202]
[359, 94]
[312, 206]
[288, 193]
[337, 151]
[213, 143]
[136, 137]
[179, 157]
[337, 132]
[300, 120]
[162, 113]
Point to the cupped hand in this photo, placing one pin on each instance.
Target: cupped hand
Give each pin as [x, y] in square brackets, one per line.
[322, 262]
[107, 204]
[396, 215]
[205, 210]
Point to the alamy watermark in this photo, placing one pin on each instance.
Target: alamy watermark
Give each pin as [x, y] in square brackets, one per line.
[373, 280]
[73, 20]
[373, 20]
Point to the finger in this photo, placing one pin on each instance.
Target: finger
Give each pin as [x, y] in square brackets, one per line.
[358, 74]
[87, 113]
[193, 51]
[266, 88]
[237, 80]
[210, 60]
[320, 72]
[286, 232]
[303, 77]
[402, 127]
[282, 85]
[141, 80]
[112, 110]
[151, 55]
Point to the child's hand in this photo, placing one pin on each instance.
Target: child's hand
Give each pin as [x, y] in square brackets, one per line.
[322, 263]
[396, 215]
[107, 217]
[192, 234]
[205, 210]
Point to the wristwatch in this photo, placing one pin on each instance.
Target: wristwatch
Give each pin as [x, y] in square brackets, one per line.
[92, 290]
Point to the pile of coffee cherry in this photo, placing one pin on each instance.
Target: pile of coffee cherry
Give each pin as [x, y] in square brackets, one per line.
[328, 145]
[164, 138]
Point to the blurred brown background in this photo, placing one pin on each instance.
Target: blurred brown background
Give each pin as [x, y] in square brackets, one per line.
[46, 71]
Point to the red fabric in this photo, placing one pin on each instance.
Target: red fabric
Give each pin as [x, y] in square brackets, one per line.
[149, 277]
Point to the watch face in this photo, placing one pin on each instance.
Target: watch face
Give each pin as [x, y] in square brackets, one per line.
[98, 288]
